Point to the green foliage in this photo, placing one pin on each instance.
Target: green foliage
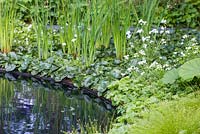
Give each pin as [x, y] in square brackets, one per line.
[176, 117]
[186, 72]
[132, 95]
[7, 24]
[170, 76]
[184, 14]
[190, 69]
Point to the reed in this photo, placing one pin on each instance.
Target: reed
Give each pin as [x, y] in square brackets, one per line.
[41, 19]
[146, 9]
[94, 19]
[7, 24]
[121, 21]
[69, 18]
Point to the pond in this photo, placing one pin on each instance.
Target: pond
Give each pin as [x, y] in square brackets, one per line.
[28, 107]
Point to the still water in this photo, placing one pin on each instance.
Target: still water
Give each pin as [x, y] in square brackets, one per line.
[32, 108]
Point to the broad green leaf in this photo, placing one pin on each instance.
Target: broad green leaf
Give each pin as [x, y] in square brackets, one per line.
[116, 73]
[170, 76]
[190, 69]
[10, 67]
[88, 81]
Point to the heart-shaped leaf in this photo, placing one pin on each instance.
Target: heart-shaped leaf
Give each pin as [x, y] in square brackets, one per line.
[190, 69]
[10, 67]
[170, 76]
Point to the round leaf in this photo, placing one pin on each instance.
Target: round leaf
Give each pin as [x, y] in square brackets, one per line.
[170, 76]
[10, 67]
[190, 69]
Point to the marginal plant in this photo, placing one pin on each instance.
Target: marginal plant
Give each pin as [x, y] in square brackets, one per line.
[7, 24]
[106, 31]
[120, 24]
[69, 20]
[93, 22]
[41, 19]
[146, 10]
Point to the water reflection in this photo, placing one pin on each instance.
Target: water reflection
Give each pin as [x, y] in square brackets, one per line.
[30, 108]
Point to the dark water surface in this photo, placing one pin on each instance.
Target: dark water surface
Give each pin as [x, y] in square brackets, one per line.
[32, 108]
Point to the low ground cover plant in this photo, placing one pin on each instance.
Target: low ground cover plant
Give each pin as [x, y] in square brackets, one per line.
[175, 117]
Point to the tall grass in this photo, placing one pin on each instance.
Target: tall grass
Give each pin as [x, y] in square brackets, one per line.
[93, 19]
[121, 21]
[41, 19]
[87, 25]
[145, 10]
[7, 24]
[181, 117]
[69, 18]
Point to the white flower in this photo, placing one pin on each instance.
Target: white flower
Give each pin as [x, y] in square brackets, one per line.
[136, 55]
[75, 35]
[194, 44]
[142, 62]
[126, 57]
[162, 29]
[185, 36]
[130, 69]
[151, 41]
[139, 31]
[136, 69]
[163, 21]
[128, 34]
[153, 31]
[182, 54]
[167, 32]
[73, 40]
[193, 39]
[123, 74]
[163, 41]
[64, 44]
[66, 24]
[141, 22]
[145, 38]
[154, 64]
[188, 48]
[89, 29]
[142, 52]
[142, 73]
[54, 31]
[29, 27]
[15, 31]
[144, 46]
[175, 52]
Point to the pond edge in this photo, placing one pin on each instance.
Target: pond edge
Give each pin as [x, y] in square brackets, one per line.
[66, 82]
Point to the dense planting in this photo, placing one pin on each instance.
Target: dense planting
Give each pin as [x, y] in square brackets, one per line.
[135, 53]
